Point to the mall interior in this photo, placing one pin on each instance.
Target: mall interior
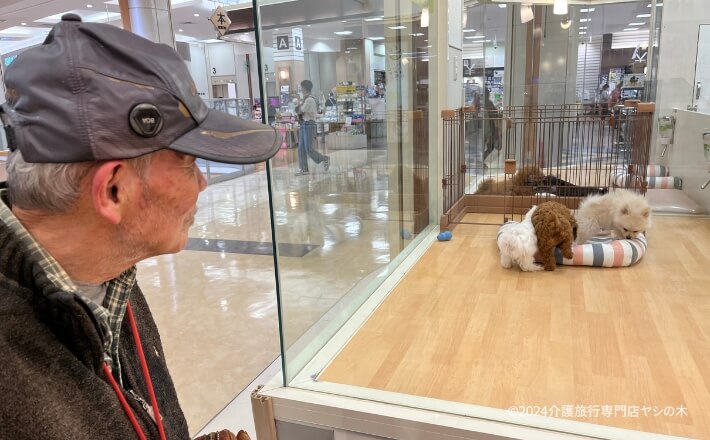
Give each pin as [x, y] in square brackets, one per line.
[329, 290]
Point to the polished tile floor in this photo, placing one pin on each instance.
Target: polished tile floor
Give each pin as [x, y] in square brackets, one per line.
[215, 302]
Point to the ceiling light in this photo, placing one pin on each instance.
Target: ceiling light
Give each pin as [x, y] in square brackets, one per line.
[487, 41]
[394, 28]
[630, 29]
[89, 6]
[23, 24]
[343, 33]
[425, 18]
[351, 48]
[560, 7]
[582, 33]
[347, 51]
[374, 19]
[180, 30]
[469, 30]
[585, 20]
[502, 5]
[476, 37]
[658, 5]
[636, 24]
[418, 34]
[565, 23]
[344, 21]
[526, 13]
[426, 60]
[196, 15]
[582, 27]
[587, 10]
[643, 15]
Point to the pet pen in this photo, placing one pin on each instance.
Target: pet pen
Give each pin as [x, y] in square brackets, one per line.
[504, 161]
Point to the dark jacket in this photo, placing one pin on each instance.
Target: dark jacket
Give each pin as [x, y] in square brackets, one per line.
[51, 380]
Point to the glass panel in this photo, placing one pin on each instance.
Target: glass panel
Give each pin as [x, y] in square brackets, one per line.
[684, 105]
[350, 187]
[701, 90]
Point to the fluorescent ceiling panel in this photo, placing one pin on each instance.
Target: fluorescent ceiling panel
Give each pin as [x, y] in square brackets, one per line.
[86, 16]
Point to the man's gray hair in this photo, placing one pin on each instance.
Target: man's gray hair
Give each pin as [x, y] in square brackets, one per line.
[52, 188]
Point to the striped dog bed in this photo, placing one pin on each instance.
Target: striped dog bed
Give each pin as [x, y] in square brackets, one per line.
[622, 179]
[604, 251]
[657, 171]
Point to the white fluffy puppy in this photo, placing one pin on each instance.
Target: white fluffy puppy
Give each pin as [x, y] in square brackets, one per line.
[624, 213]
[517, 243]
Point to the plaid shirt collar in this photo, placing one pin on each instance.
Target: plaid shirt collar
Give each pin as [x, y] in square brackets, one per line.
[109, 315]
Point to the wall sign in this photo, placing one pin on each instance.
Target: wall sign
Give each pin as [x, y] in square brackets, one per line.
[220, 20]
[282, 42]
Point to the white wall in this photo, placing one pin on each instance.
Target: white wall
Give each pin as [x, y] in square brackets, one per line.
[221, 59]
[676, 67]
[455, 78]
[676, 78]
[198, 69]
[686, 157]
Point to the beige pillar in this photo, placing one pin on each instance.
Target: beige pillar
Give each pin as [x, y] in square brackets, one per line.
[151, 19]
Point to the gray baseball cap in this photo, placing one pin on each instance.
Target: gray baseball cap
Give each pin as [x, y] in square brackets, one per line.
[95, 92]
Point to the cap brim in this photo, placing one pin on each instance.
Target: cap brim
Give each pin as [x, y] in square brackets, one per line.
[222, 137]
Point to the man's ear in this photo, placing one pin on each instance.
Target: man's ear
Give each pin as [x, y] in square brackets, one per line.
[109, 186]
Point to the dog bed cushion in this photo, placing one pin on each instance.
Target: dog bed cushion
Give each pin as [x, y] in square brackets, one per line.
[623, 180]
[657, 171]
[605, 251]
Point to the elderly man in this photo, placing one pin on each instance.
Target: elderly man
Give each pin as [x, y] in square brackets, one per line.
[104, 128]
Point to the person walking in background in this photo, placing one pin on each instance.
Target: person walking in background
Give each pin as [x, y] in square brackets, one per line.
[307, 131]
[492, 127]
[330, 102]
[604, 97]
[615, 97]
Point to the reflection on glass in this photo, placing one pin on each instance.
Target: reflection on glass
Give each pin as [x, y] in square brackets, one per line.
[368, 64]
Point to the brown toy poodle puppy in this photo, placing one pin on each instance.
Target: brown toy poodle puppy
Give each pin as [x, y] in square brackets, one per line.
[555, 226]
[519, 184]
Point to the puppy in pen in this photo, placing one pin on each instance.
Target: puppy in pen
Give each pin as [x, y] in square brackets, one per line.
[555, 226]
[517, 243]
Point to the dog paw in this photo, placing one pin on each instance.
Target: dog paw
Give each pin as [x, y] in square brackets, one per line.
[532, 268]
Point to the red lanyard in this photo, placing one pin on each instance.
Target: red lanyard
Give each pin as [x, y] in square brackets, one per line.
[149, 384]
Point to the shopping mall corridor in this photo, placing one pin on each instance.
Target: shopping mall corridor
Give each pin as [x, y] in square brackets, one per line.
[215, 302]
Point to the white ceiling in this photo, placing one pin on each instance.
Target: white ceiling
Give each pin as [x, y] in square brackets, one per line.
[319, 19]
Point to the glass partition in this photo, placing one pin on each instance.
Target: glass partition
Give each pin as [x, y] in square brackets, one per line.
[683, 108]
[701, 86]
[358, 199]
[343, 226]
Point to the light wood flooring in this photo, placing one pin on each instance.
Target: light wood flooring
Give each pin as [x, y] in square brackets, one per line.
[459, 327]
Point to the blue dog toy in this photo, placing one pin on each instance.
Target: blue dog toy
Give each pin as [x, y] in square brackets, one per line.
[444, 236]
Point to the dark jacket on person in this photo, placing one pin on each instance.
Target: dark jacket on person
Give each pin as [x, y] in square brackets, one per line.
[51, 353]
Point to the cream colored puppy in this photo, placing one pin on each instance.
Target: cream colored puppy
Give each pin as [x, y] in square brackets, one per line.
[624, 213]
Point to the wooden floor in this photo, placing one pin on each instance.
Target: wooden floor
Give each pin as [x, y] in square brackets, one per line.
[632, 342]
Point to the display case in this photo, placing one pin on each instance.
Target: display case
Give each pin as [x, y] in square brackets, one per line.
[240, 107]
[344, 125]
